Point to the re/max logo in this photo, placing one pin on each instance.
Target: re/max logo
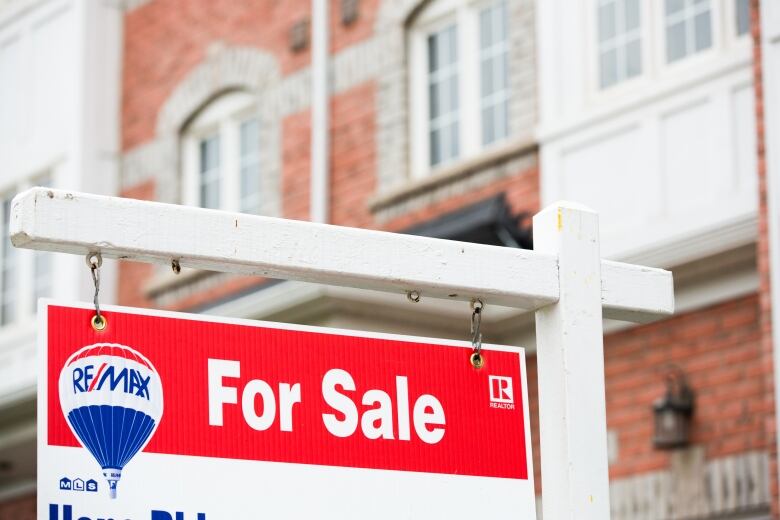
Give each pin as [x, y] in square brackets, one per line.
[67, 514]
[131, 381]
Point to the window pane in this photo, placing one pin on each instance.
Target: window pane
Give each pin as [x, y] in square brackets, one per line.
[743, 16]
[631, 14]
[250, 167]
[499, 16]
[7, 271]
[494, 61]
[443, 102]
[451, 46]
[502, 119]
[485, 29]
[250, 137]
[209, 172]
[607, 20]
[453, 140]
[433, 58]
[488, 77]
[674, 6]
[608, 68]
[675, 42]
[688, 27]
[488, 125]
[450, 97]
[633, 59]
[703, 31]
[434, 101]
[501, 72]
[435, 147]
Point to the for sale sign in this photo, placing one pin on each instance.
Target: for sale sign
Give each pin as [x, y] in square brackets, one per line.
[168, 416]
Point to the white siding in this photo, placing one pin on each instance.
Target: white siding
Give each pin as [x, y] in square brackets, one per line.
[59, 103]
[663, 157]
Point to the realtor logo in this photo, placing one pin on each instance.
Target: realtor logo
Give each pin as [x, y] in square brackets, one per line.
[501, 395]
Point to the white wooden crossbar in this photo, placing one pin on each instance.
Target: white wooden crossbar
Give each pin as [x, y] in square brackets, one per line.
[54, 220]
[564, 280]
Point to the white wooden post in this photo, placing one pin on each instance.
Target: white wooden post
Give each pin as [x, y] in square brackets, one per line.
[570, 359]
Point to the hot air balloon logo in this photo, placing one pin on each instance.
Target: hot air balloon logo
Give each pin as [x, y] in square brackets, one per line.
[111, 397]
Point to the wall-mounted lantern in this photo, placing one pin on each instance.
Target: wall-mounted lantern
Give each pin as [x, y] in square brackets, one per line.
[673, 414]
[299, 35]
[350, 9]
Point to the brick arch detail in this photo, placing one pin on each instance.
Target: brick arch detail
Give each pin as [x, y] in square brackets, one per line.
[224, 69]
[394, 13]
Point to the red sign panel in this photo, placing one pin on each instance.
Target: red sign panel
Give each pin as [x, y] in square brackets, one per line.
[263, 392]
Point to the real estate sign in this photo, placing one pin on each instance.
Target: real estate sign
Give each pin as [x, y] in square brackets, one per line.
[168, 416]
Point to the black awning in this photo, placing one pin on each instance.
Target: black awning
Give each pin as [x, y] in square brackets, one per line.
[487, 222]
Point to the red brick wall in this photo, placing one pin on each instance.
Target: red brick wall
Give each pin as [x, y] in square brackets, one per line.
[165, 39]
[296, 165]
[353, 156]
[719, 348]
[18, 509]
[763, 263]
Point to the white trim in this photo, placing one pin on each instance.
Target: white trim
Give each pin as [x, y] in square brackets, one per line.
[320, 114]
[675, 249]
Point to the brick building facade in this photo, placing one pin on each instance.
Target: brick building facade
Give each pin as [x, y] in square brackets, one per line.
[186, 65]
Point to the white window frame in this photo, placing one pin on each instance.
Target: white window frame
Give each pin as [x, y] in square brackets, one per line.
[718, 33]
[436, 16]
[646, 28]
[644, 14]
[223, 117]
[690, 54]
[655, 69]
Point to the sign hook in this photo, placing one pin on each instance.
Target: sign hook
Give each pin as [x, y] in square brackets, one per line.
[477, 359]
[94, 262]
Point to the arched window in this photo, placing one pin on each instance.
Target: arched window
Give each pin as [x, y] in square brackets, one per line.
[221, 149]
[459, 90]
